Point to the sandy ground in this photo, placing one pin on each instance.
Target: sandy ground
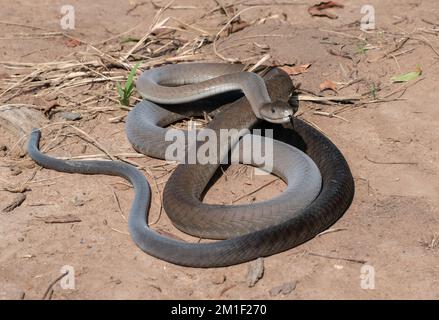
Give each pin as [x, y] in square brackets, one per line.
[391, 147]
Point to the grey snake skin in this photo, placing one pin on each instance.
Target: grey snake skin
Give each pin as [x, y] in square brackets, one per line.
[334, 198]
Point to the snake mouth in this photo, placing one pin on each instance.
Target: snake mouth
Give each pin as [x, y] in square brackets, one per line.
[286, 117]
[279, 120]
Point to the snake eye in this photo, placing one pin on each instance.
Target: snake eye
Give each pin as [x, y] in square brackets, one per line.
[272, 110]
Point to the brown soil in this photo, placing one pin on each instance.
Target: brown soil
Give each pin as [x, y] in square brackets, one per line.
[391, 147]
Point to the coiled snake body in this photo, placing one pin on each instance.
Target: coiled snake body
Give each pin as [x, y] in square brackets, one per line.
[276, 225]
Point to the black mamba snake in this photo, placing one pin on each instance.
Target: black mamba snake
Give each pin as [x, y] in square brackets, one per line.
[182, 195]
[333, 200]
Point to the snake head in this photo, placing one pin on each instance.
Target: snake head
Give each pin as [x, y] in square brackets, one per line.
[277, 111]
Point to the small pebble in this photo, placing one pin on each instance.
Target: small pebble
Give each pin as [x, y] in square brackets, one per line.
[77, 202]
[3, 150]
[255, 271]
[283, 289]
[116, 281]
[19, 199]
[21, 239]
[71, 116]
[15, 171]
[218, 279]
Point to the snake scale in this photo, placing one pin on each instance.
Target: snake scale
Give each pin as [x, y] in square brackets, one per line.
[184, 190]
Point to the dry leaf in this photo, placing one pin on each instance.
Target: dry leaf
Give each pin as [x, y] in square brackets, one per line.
[295, 70]
[406, 77]
[319, 10]
[73, 43]
[16, 203]
[238, 26]
[328, 85]
[49, 106]
[235, 26]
